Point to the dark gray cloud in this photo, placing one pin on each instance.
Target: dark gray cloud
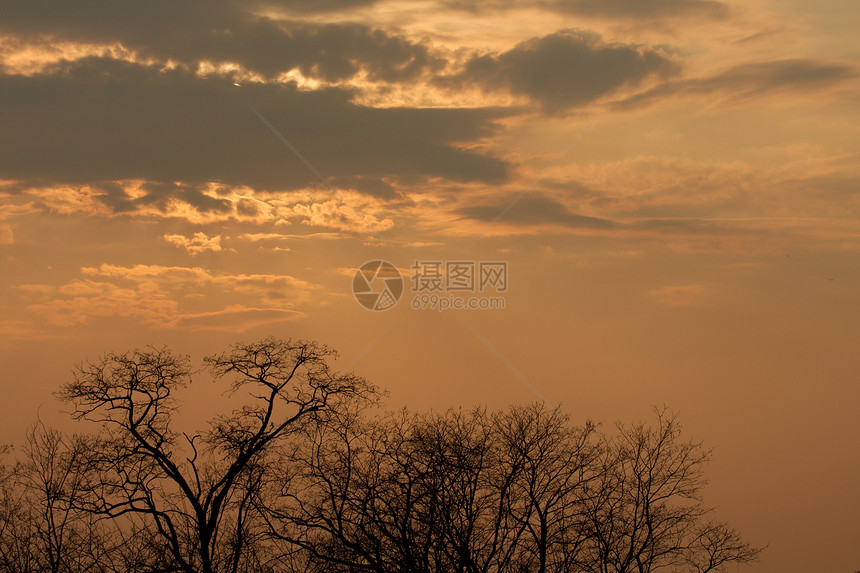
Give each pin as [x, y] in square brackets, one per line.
[103, 120]
[374, 187]
[564, 69]
[533, 209]
[158, 194]
[616, 9]
[222, 31]
[750, 80]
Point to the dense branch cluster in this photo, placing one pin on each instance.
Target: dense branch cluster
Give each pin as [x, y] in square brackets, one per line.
[306, 475]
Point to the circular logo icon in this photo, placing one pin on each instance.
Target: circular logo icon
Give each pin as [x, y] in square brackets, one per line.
[377, 285]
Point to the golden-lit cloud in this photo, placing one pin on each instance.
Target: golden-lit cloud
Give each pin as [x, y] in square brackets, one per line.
[35, 55]
[195, 244]
[268, 288]
[266, 237]
[351, 211]
[169, 297]
[335, 215]
[80, 301]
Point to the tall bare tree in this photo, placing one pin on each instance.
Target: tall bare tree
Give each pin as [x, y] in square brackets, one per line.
[404, 492]
[42, 527]
[647, 512]
[353, 496]
[552, 463]
[193, 492]
[15, 547]
[514, 491]
[303, 476]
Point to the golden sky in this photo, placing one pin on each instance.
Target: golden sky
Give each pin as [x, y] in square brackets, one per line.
[673, 184]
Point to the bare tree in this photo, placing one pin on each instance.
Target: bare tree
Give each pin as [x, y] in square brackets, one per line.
[352, 496]
[16, 549]
[401, 493]
[647, 513]
[552, 463]
[714, 544]
[514, 491]
[301, 476]
[43, 529]
[193, 492]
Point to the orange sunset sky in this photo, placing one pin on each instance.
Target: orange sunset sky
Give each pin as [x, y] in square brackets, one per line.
[673, 184]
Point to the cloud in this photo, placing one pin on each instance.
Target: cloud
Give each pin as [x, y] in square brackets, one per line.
[313, 6]
[79, 301]
[532, 209]
[373, 187]
[614, 9]
[158, 274]
[208, 204]
[236, 318]
[752, 80]
[320, 6]
[198, 204]
[223, 32]
[269, 288]
[169, 297]
[681, 295]
[195, 244]
[335, 215]
[98, 121]
[258, 237]
[419, 244]
[565, 69]
[641, 9]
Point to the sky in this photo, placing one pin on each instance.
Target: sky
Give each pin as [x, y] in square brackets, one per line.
[672, 188]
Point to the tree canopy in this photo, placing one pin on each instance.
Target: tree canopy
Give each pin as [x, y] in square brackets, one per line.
[308, 473]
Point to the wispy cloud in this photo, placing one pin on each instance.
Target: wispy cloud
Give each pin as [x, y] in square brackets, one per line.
[169, 296]
[622, 10]
[753, 81]
[236, 318]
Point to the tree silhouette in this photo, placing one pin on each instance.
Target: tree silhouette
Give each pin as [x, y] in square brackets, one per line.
[552, 464]
[304, 475]
[517, 490]
[194, 492]
[647, 512]
[42, 527]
